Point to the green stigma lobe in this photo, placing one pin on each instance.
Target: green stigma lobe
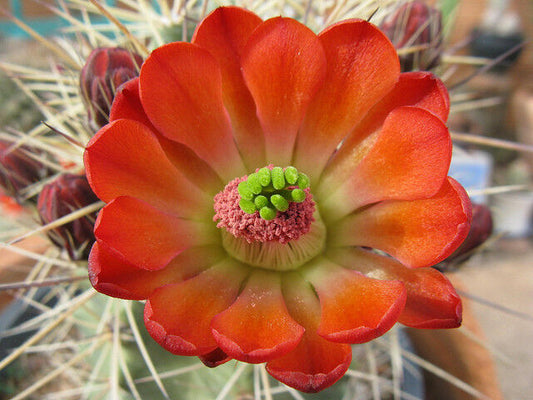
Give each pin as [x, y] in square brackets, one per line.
[291, 175]
[264, 176]
[267, 213]
[279, 202]
[247, 206]
[254, 183]
[271, 190]
[298, 195]
[278, 178]
[303, 181]
[261, 201]
[244, 191]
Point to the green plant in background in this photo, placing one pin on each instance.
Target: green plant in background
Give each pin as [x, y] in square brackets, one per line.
[448, 8]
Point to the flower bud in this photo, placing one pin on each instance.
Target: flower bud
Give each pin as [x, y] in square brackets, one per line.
[105, 70]
[418, 26]
[64, 195]
[480, 231]
[19, 168]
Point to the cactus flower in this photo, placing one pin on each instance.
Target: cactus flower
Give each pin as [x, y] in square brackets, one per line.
[277, 195]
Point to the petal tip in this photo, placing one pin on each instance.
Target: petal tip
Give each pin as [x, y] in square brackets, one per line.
[255, 356]
[98, 263]
[172, 343]
[308, 382]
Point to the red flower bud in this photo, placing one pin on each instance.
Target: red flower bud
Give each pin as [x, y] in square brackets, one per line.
[415, 24]
[480, 231]
[66, 194]
[19, 168]
[105, 70]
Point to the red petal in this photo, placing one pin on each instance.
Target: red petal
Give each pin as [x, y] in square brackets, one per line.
[362, 67]
[178, 316]
[146, 236]
[197, 170]
[114, 276]
[355, 309]
[283, 65]
[315, 363]
[418, 233]
[409, 160]
[432, 302]
[224, 34]
[181, 92]
[418, 89]
[214, 358]
[127, 104]
[257, 327]
[125, 159]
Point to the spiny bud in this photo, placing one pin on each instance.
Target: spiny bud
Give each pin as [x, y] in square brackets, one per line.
[418, 26]
[64, 195]
[105, 70]
[20, 166]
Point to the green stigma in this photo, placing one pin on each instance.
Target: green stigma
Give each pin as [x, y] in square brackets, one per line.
[271, 190]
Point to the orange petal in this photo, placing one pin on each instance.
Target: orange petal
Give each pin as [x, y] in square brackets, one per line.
[417, 89]
[432, 302]
[127, 104]
[224, 34]
[181, 92]
[409, 160]
[283, 65]
[147, 237]
[362, 66]
[198, 172]
[114, 276]
[178, 316]
[257, 327]
[125, 159]
[315, 363]
[418, 233]
[355, 309]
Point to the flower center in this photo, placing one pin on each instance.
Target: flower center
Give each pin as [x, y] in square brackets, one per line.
[269, 219]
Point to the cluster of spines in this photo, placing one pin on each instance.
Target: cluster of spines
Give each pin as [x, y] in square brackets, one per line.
[271, 190]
